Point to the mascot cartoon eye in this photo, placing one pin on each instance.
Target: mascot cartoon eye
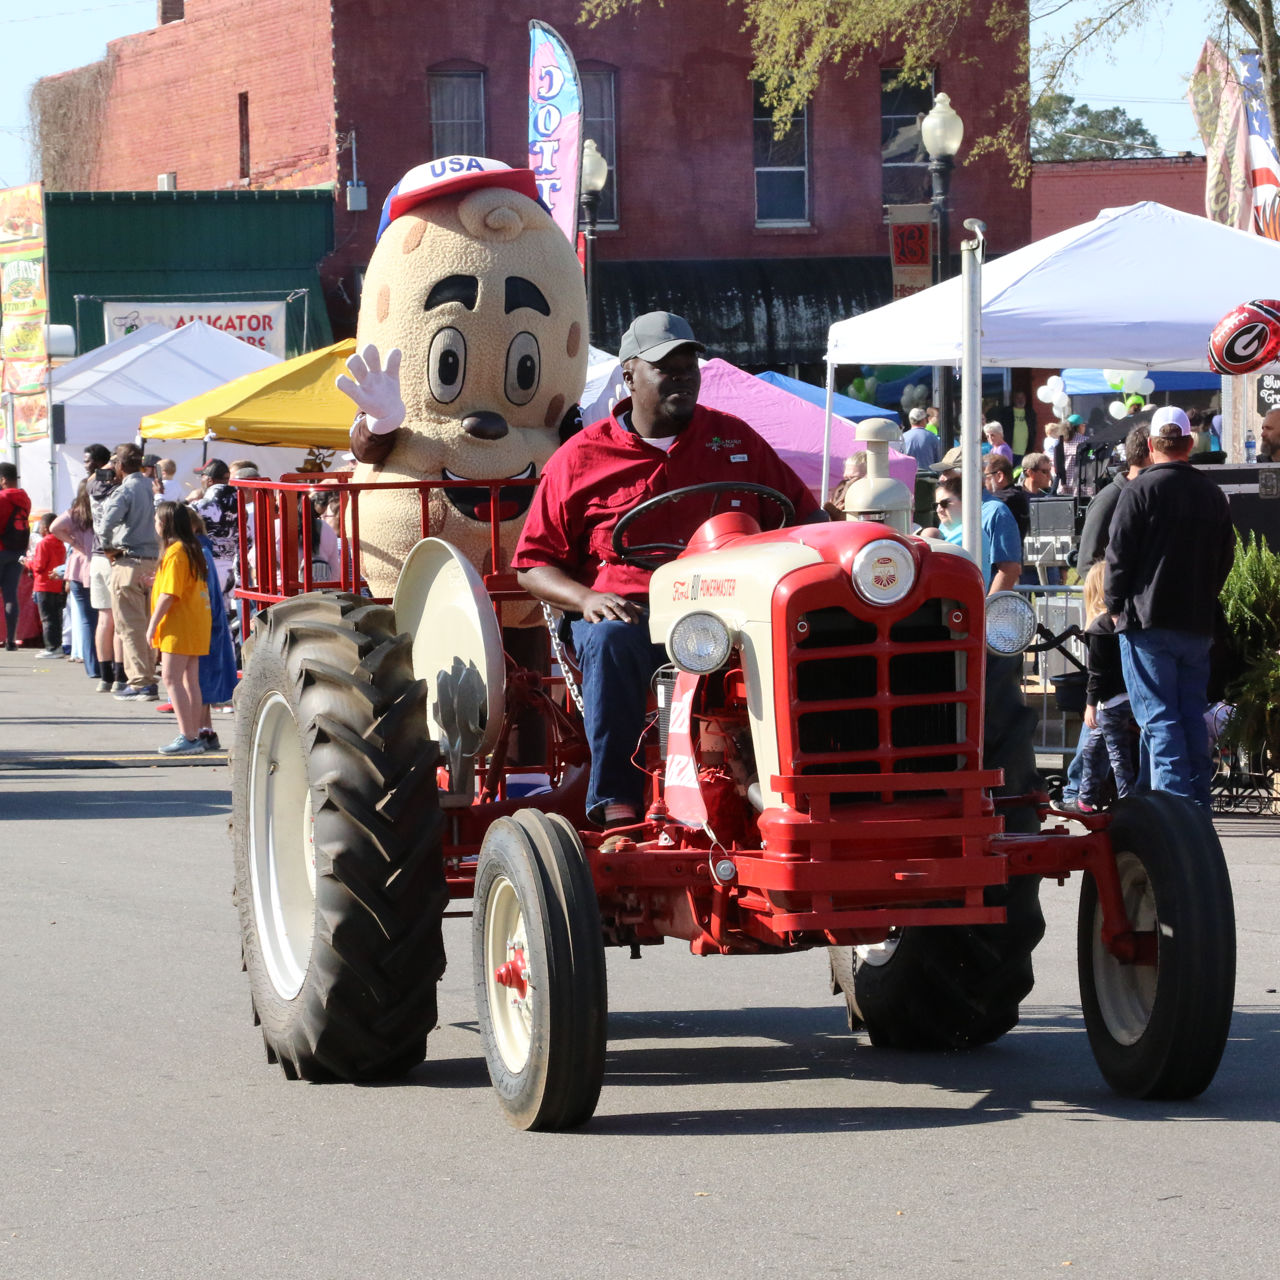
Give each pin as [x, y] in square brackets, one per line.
[524, 365]
[447, 365]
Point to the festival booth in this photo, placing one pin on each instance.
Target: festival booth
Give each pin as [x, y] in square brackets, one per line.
[793, 426]
[845, 407]
[103, 395]
[282, 411]
[1139, 287]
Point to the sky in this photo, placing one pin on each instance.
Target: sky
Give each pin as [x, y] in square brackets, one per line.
[1148, 78]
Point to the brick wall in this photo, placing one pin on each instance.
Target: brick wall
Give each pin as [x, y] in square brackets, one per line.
[1067, 193]
[685, 177]
[173, 105]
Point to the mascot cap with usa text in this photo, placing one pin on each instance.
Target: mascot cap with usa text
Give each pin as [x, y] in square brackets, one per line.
[448, 175]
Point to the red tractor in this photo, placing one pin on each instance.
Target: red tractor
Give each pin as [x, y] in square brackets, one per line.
[839, 757]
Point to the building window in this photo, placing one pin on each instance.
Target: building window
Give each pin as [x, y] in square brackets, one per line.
[600, 122]
[244, 135]
[904, 163]
[457, 113]
[782, 168]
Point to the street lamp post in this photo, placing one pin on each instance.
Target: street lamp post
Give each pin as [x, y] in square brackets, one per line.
[942, 131]
[594, 174]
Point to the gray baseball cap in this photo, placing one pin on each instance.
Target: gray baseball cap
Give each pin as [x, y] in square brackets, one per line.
[656, 334]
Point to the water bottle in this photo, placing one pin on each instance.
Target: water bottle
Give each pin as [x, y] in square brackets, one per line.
[1250, 448]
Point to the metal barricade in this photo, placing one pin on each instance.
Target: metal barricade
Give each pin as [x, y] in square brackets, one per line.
[1053, 682]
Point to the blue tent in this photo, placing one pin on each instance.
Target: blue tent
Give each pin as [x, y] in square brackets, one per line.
[1090, 382]
[844, 406]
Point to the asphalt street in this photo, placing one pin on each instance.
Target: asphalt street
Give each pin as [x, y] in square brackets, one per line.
[742, 1130]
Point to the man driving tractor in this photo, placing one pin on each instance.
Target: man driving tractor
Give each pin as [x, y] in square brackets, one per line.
[657, 440]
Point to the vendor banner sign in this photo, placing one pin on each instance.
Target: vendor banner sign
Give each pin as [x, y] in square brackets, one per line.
[555, 125]
[1219, 108]
[910, 247]
[24, 310]
[260, 324]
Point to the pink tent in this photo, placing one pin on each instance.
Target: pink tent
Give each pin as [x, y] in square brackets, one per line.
[793, 426]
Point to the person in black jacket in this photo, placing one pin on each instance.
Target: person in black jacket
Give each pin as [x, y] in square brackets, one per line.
[1096, 533]
[1107, 714]
[1170, 552]
[998, 478]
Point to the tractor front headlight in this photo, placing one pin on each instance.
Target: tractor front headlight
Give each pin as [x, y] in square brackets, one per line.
[699, 643]
[1011, 623]
[884, 571]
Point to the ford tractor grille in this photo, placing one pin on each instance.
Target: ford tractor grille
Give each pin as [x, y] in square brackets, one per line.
[882, 691]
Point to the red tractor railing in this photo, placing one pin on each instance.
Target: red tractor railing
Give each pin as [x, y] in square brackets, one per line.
[277, 548]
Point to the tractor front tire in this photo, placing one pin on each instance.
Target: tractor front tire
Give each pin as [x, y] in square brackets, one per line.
[959, 986]
[540, 980]
[339, 880]
[1158, 1030]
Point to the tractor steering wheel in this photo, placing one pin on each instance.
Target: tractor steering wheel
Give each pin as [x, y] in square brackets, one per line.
[649, 555]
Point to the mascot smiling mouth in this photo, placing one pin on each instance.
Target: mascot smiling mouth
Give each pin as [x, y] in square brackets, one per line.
[472, 498]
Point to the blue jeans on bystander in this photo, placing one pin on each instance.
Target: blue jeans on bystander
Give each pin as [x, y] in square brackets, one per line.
[1167, 673]
[617, 661]
[87, 622]
[1110, 748]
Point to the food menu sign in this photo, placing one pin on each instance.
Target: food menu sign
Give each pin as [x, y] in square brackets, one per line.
[24, 309]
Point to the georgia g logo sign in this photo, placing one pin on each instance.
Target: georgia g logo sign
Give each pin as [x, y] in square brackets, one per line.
[1246, 338]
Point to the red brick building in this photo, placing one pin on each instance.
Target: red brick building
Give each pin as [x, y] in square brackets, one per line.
[1066, 193]
[761, 245]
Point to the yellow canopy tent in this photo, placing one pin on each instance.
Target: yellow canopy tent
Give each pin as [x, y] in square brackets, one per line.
[292, 405]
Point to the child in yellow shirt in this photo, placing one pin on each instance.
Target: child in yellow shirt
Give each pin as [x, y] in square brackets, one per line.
[180, 623]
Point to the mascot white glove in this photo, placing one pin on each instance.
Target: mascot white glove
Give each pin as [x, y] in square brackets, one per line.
[375, 390]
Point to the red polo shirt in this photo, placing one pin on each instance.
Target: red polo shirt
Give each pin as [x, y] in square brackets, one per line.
[604, 471]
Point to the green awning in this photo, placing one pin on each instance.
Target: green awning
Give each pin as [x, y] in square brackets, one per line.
[189, 246]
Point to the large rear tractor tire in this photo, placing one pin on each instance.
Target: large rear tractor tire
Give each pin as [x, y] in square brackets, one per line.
[1158, 1030]
[541, 987]
[339, 880]
[959, 986]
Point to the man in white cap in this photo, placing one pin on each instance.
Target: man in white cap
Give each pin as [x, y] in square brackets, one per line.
[1170, 551]
[657, 439]
[919, 442]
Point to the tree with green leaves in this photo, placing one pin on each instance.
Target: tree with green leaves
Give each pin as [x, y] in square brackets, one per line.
[1061, 129]
[796, 42]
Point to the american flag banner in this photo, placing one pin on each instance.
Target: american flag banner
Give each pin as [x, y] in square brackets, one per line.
[1264, 165]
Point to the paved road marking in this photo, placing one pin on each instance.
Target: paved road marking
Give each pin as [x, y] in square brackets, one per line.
[102, 760]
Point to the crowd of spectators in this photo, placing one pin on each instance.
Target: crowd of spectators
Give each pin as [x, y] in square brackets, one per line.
[135, 580]
[1149, 604]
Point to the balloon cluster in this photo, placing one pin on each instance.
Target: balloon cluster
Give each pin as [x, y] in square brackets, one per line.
[1054, 392]
[1246, 338]
[1129, 382]
[864, 388]
[914, 396]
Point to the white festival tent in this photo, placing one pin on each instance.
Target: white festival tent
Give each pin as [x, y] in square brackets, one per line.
[1140, 287]
[105, 392]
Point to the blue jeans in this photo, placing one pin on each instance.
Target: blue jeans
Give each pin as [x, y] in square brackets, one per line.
[1167, 673]
[1109, 748]
[1071, 790]
[617, 662]
[86, 622]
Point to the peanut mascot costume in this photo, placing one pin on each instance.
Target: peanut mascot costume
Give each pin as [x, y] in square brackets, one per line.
[471, 351]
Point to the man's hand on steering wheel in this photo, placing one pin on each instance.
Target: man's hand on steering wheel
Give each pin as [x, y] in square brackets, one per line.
[648, 555]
